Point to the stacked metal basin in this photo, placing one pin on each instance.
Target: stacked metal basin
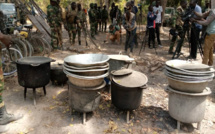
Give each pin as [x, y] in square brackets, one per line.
[188, 90]
[86, 70]
[186, 76]
[86, 73]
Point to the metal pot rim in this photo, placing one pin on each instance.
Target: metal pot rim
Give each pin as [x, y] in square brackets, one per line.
[89, 70]
[86, 77]
[203, 81]
[71, 59]
[206, 92]
[34, 60]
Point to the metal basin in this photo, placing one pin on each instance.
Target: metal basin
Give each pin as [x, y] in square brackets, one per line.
[187, 107]
[187, 65]
[187, 86]
[85, 81]
[89, 72]
[84, 99]
[86, 68]
[87, 60]
[188, 77]
[118, 61]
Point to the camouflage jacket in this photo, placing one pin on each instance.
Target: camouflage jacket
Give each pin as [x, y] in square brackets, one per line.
[104, 14]
[81, 15]
[99, 14]
[54, 16]
[92, 15]
[177, 18]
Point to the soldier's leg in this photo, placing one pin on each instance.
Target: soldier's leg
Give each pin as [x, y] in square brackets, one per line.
[73, 36]
[96, 28]
[174, 38]
[60, 36]
[102, 25]
[79, 36]
[54, 42]
[1, 83]
[70, 34]
[105, 25]
[92, 32]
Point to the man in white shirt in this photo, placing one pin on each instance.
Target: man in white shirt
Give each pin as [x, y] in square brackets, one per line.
[158, 20]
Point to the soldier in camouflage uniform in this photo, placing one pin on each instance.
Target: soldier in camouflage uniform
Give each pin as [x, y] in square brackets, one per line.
[82, 17]
[97, 18]
[5, 117]
[178, 26]
[72, 22]
[118, 16]
[104, 18]
[92, 19]
[54, 18]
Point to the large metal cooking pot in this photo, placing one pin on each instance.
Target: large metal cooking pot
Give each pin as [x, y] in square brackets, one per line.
[84, 99]
[33, 72]
[187, 107]
[86, 60]
[126, 91]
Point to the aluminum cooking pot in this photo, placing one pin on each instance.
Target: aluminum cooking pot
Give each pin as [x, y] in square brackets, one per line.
[187, 107]
[33, 72]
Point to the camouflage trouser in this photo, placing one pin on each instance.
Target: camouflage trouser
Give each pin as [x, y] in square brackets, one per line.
[104, 25]
[92, 28]
[181, 34]
[1, 81]
[56, 37]
[79, 34]
[72, 36]
[96, 27]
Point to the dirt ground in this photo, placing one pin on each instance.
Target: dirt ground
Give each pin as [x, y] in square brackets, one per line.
[52, 114]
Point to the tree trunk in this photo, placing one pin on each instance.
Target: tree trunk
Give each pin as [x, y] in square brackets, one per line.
[163, 4]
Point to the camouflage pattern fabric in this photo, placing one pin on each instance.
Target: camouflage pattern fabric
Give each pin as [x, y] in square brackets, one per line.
[92, 17]
[97, 19]
[1, 80]
[177, 24]
[54, 18]
[104, 19]
[82, 17]
[72, 23]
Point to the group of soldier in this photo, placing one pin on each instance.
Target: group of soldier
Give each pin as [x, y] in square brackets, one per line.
[74, 21]
[98, 19]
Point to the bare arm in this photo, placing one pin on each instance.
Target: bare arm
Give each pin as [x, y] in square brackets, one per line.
[209, 19]
[202, 15]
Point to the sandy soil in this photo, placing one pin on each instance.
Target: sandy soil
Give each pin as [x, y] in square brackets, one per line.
[52, 115]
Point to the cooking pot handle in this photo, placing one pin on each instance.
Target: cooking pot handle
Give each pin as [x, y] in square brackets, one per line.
[144, 87]
[35, 65]
[52, 60]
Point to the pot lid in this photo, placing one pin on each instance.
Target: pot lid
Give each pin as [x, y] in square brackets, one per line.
[135, 79]
[206, 91]
[121, 72]
[34, 60]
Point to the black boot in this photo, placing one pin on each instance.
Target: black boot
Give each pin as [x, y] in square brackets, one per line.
[3, 128]
[79, 42]
[6, 118]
